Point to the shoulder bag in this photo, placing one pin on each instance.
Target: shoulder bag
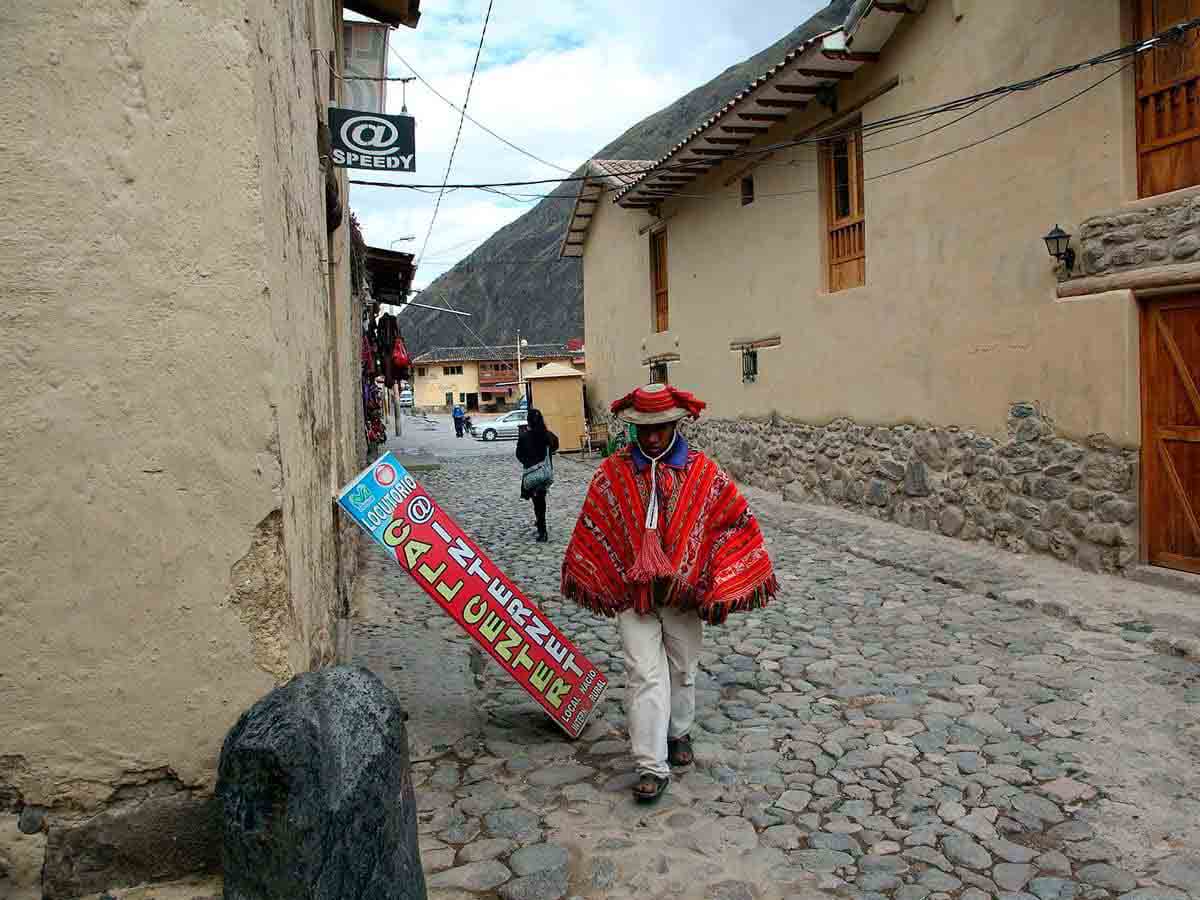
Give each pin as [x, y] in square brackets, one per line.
[539, 476]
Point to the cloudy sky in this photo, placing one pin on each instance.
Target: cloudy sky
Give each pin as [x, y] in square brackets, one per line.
[560, 78]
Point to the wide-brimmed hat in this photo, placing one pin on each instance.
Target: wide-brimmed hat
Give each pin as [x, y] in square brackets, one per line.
[657, 404]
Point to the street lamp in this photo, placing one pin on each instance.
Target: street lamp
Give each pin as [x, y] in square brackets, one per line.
[1058, 244]
[520, 371]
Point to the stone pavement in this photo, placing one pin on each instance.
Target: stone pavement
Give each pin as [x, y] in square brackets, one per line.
[913, 719]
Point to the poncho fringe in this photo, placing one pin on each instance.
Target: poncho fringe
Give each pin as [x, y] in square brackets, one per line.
[718, 559]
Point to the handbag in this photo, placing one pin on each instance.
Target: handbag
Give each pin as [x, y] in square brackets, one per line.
[539, 476]
[400, 357]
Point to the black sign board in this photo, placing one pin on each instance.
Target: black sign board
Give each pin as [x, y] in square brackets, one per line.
[368, 140]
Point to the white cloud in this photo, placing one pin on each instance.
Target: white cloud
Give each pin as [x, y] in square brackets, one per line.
[560, 78]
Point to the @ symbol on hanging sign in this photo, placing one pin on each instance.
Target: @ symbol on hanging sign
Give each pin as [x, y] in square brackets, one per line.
[371, 135]
[420, 510]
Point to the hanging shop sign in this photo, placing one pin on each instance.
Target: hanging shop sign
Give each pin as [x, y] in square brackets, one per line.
[460, 578]
[365, 45]
[364, 140]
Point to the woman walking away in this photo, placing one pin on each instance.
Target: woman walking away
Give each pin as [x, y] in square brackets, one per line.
[536, 445]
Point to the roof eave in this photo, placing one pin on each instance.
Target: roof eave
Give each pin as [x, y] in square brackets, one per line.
[390, 12]
[817, 64]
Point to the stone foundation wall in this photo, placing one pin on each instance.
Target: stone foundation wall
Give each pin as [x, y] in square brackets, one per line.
[1032, 492]
[1136, 239]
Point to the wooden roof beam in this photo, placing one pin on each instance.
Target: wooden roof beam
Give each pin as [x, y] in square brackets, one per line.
[858, 56]
[712, 151]
[762, 117]
[824, 73]
[785, 104]
[810, 89]
[745, 129]
[727, 140]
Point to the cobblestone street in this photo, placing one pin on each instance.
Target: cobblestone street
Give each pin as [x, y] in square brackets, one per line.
[913, 719]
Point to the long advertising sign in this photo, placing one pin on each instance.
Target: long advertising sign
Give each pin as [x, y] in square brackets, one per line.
[457, 575]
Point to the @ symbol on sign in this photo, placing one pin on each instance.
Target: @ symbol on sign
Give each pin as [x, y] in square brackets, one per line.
[420, 510]
[372, 135]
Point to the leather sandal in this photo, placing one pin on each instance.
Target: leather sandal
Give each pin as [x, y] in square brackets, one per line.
[649, 787]
[679, 751]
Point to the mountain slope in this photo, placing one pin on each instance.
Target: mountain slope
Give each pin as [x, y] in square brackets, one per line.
[544, 300]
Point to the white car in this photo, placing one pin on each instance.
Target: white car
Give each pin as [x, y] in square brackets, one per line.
[507, 426]
[406, 399]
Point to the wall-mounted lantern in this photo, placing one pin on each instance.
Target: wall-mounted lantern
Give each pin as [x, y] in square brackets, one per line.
[1058, 244]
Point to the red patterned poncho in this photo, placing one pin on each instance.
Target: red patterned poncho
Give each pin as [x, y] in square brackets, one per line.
[718, 560]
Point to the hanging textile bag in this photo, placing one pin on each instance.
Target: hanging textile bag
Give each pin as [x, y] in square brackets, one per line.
[400, 357]
[539, 476]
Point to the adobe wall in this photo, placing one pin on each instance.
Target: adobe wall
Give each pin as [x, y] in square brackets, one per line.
[170, 446]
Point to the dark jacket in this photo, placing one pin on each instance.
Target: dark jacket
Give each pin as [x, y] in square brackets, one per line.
[531, 450]
[531, 447]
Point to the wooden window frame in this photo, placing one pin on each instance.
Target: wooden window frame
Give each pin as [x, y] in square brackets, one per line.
[747, 189]
[659, 368]
[1160, 103]
[660, 307]
[844, 235]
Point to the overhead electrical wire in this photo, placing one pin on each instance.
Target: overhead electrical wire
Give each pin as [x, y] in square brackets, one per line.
[462, 111]
[728, 195]
[457, 134]
[886, 124]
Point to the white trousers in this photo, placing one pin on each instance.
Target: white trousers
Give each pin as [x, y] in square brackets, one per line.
[662, 651]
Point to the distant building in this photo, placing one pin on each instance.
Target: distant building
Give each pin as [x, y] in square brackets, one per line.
[867, 302]
[483, 378]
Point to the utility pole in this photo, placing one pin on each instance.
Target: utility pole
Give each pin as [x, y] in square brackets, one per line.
[520, 373]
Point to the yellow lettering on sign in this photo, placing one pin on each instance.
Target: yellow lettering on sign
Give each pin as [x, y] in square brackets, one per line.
[557, 691]
[541, 676]
[474, 609]
[523, 658]
[512, 638]
[491, 627]
[414, 550]
[449, 593]
[396, 533]
[431, 575]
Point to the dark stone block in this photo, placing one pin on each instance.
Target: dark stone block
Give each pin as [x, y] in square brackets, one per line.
[317, 794]
[158, 839]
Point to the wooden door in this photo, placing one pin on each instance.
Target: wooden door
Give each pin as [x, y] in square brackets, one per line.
[1168, 101]
[1171, 432]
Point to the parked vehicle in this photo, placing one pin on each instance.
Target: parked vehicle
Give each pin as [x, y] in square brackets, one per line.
[507, 426]
[406, 398]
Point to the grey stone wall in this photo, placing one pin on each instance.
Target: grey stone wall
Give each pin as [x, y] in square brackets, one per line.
[1138, 239]
[1031, 492]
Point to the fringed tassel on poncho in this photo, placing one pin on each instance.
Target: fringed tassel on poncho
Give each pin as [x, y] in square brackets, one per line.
[651, 561]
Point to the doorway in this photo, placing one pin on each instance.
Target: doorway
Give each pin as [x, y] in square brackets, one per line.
[1168, 100]
[1171, 432]
[472, 403]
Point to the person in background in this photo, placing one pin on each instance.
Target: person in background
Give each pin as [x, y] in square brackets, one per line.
[665, 543]
[535, 442]
[458, 415]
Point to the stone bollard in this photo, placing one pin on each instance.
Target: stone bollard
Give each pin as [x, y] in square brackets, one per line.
[317, 795]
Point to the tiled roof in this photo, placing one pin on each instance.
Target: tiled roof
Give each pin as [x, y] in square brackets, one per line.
[611, 174]
[494, 354]
[787, 87]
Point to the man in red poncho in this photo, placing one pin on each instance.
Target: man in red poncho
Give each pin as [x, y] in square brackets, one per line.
[665, 542]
